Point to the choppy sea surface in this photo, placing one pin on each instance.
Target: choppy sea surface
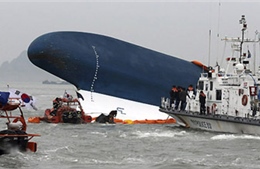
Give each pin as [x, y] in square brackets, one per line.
[120, 146]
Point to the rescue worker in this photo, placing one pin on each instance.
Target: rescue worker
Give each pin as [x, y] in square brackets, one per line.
[173, 95]
[182, 96]
[177, 100]
[190, 96]
[202, 100]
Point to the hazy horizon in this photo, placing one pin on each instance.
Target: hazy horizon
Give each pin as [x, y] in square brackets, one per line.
[179, 29]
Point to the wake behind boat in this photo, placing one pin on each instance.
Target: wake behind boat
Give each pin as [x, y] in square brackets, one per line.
[226, 100]
[104, 69]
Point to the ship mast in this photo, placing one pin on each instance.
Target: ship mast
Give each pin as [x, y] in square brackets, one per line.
[244, 26]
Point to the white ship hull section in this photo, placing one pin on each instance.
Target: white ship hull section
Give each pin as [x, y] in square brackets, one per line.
[219, 126]
[94, 104]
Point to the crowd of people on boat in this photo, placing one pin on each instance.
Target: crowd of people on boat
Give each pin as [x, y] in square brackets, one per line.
[180, 98]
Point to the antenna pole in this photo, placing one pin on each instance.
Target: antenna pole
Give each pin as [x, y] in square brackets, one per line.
[244, 26]
[209, 46]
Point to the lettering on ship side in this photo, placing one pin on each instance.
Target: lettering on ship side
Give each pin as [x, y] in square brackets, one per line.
[201, 124]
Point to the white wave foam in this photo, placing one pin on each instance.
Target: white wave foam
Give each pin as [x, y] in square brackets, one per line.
[232, 137]
[99, 133]
[141, 134]
[58, 149]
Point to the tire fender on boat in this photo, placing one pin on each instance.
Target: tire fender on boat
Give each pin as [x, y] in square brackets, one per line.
[244, 100]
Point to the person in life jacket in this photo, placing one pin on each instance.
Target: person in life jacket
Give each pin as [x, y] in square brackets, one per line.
[173, 95]
[56, 105]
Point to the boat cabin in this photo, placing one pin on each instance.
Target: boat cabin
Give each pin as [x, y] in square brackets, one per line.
[233, 94]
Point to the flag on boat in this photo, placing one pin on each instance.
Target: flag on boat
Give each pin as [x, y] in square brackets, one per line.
[67, 96]
[4, 97]
[26, 99]
[248, 54]
[79, 96]
[32, 102]
[15, 93]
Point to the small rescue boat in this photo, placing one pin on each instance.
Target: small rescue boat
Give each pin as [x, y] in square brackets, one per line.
[15, 136]
[64, 110]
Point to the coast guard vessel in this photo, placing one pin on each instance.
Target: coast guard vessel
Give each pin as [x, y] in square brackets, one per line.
[112, 74]
[232, 95]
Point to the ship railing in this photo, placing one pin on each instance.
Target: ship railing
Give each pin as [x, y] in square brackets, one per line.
[204, 75]
[165, 103]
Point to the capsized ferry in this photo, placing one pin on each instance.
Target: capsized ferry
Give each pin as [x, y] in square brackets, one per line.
[232, 102]
[112, 74]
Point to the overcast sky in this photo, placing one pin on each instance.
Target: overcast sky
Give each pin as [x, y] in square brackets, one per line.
[179, 29]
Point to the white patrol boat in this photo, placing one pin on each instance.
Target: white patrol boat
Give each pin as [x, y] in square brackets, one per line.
[232, 102]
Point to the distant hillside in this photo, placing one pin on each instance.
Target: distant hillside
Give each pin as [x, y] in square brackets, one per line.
[21, 69]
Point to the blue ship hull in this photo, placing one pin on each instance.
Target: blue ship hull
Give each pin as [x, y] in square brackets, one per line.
[110, 66]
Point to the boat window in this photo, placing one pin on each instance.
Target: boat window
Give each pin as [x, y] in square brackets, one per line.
[209, 75]
[200, 85]
[206, 87]
[218, 94]
[241, 92]
[211, 86]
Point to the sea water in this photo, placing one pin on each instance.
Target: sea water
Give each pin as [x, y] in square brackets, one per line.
[120, 146]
